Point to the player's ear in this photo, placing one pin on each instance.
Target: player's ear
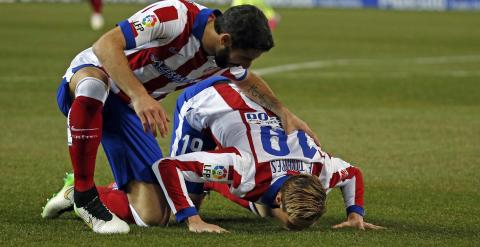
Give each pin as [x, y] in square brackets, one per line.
[278, 199]
[225, 39]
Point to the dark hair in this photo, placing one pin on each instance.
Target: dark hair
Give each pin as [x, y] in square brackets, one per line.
[248, 27]
[303, 199]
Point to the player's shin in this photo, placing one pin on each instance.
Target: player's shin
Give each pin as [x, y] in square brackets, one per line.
[84, 135]
[85, 130]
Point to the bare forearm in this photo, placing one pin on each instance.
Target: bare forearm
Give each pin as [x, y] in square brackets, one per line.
[258, 90]
[109, 50]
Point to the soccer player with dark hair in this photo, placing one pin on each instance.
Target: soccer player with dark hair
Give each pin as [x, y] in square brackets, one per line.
[255, 156]
[111, 92]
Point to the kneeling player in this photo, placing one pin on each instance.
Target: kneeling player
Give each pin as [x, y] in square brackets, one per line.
[258, 161]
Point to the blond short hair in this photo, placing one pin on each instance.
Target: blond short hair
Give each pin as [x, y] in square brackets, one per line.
[303, 199]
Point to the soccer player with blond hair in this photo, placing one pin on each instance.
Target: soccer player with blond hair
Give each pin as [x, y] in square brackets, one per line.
[302, 201]
[254, 156]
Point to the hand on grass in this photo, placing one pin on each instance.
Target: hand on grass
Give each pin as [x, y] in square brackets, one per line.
[196, 224]
[356, 221]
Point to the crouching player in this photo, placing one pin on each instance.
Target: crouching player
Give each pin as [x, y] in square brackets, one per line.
[254, 156]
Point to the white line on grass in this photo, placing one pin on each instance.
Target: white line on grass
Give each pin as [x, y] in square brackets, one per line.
[344, 62]
[331, 63]
[390, 74]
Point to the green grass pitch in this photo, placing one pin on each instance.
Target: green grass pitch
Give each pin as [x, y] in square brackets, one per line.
[396, 93]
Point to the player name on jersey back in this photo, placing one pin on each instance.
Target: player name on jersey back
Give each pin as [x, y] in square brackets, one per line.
[290, 166]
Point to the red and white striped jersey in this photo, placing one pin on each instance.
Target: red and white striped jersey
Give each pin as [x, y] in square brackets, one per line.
[255, 154]
[164, 48]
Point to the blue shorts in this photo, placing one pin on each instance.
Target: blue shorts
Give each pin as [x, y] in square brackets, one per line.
[130, 151]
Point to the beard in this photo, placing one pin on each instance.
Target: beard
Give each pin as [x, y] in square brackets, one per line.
[222, 57]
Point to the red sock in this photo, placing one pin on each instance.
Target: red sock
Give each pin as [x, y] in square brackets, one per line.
[117, 202]
[97, 6]
[85, 121]
[225, 192]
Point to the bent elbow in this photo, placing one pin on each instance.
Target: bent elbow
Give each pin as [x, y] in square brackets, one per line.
[97, 48]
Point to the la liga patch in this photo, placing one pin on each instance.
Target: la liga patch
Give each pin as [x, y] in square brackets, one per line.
[215, 172]
[149, 21]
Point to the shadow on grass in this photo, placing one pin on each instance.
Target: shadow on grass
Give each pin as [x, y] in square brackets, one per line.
[252, 225]
[255, 226]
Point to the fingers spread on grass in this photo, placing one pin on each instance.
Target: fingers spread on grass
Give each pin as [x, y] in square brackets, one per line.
[341, 225]
[374, 227]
